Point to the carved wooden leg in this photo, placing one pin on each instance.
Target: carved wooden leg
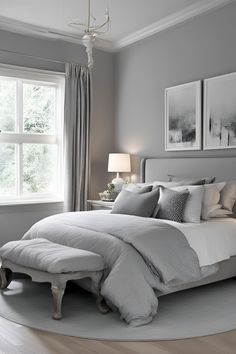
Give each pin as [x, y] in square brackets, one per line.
[101, 304]
[57, 293]
[5, 278]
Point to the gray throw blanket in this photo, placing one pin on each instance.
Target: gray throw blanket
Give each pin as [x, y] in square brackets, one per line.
[141, 254]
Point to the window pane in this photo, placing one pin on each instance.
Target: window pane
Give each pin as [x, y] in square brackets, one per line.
[39, 109]
[7, 105]
[7, 170]
[39, 168]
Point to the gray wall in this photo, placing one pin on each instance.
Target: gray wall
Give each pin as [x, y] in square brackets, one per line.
[14, 221]
[200, 48]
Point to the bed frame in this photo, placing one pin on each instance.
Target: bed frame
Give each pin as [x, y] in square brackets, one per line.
[224, 168]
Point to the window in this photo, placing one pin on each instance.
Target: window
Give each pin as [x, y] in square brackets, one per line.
[31, 119]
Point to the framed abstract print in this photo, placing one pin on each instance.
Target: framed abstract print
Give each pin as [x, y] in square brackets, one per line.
[183, 117]
[220, 112]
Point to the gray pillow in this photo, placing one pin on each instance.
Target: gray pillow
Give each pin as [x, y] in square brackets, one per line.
[137, 187]
[142, 190]
[135, 203]
[172, 204]
[193, 181]
[209, 180]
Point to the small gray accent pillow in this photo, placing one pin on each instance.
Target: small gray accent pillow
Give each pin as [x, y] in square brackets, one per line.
[142, 190]
[135, 203]
[138, 187]
[209, 180]
[193, 181]
[172, 204]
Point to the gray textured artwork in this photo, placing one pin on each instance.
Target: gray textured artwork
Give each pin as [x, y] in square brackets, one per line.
[220, 112]
[183, 117]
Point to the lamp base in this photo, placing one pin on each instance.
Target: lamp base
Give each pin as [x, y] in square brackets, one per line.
[118, 183]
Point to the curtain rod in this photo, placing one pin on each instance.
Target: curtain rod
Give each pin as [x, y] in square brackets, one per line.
[32, 56]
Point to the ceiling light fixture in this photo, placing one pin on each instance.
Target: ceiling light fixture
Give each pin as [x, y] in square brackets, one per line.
[91, 30]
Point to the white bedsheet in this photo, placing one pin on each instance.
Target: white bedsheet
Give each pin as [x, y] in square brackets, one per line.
[213, 240]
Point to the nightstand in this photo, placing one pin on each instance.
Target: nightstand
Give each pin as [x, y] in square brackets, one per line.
[99, 205]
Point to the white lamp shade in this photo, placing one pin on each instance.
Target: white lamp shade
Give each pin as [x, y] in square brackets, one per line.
[119, 163]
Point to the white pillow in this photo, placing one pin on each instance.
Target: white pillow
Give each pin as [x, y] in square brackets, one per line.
[212, 208]
[228, 195]
[193, 207]
[219, 213]
[211, 198]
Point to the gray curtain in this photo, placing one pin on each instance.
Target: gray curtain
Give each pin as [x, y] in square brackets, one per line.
[76, 136]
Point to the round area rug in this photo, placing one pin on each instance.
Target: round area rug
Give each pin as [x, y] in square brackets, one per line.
[206, 310]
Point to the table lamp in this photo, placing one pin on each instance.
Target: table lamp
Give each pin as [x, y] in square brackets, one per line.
[119, 163]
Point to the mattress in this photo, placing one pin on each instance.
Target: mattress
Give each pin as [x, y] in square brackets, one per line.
[227, 269]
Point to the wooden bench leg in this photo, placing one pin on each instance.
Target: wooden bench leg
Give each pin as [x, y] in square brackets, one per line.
[5, 278]
[57, 293]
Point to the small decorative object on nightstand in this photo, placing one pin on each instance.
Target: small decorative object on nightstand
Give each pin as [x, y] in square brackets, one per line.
[110, 194]
[99, 205]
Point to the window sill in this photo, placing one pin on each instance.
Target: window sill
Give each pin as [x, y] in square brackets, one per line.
[15, 206]
[29, 201]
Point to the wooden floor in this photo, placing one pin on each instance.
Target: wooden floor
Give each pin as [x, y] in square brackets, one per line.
[16, 339]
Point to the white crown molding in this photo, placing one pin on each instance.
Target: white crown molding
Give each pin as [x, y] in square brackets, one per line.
[20, 27]
[170, 21]
[187, 13]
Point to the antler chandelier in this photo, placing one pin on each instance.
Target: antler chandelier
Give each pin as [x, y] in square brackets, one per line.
[91, 30]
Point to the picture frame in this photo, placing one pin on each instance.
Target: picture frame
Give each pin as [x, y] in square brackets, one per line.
[220, 112]
[183, 117]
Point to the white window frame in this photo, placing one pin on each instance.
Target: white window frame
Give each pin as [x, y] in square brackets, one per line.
[45, 78]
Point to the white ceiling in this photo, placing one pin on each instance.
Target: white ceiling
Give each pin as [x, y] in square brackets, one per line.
[131, 20]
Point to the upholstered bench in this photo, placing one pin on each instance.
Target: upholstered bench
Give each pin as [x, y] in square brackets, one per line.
[45, 261]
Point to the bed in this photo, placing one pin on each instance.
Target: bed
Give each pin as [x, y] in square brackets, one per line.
[147, 257]
[224, 168]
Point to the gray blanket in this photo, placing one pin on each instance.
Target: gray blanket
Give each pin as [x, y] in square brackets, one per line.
[141, 255]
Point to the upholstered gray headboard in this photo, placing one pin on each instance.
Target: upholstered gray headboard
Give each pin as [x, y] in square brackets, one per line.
[154, 169]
